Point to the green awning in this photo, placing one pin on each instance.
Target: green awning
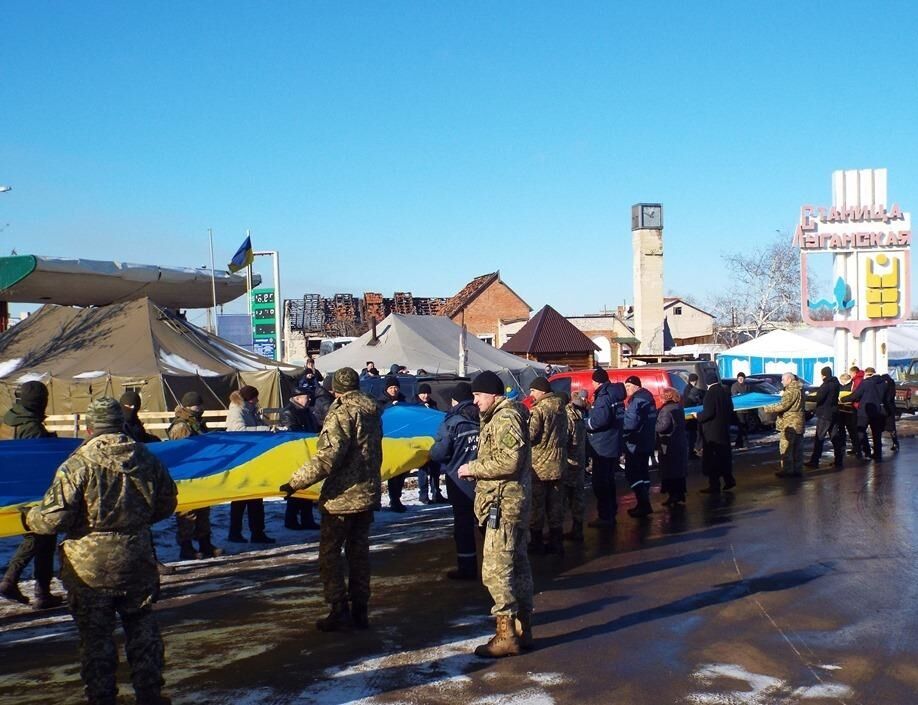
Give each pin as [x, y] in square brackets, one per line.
[627, 340]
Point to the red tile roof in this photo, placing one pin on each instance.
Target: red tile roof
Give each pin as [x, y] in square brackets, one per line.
[549, 332]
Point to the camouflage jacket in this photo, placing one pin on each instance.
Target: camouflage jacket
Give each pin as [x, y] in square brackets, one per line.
[790, 408]
[502, 466]
[185, 424]
[576, 445]
[348, 456]
[105, 496]
[19, 424]
[548, 436]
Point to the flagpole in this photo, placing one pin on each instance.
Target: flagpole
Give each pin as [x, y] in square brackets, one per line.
[213, 281]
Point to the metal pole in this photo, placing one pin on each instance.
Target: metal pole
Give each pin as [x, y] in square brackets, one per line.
[278, 309]
[213, 282]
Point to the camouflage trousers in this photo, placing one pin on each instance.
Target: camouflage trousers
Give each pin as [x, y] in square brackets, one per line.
[547, 499]
[790, 448]
[574, 497]
[352, 533]
[505, 568]
[95, 616]
[193, 525]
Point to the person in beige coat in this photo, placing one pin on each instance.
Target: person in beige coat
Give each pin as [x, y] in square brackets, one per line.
[789, 424]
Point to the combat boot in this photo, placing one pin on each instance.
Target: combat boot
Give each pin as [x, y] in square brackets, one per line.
[208, 550]
[643, 507]
[576, 532]
[45, 600]
[187, 552]
[555, 542]
[359, 615]
[522, 626]
[338, 619]
[504, 642]
[536, 542]
[10, 590]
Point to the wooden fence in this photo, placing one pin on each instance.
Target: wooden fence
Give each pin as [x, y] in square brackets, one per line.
[156, 422]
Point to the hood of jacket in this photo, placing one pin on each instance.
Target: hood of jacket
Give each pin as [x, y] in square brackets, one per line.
[357, 400]
[19, 415]
[466, 409]
[115, 450]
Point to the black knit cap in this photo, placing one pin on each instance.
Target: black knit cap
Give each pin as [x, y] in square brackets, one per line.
[248, 392]
[462, 392]
[34, 397]
[541, 384]
[600, 375]
[424, 389]
[131, 399]
[489, 383]
[190, 399]
[633, 379]
[391, 381]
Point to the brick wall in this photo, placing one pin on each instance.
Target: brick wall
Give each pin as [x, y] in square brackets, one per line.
[484, 313]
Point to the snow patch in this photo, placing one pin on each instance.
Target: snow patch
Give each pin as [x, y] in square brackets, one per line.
[823, 691]
[90, 375]
[180, 364]
[760, 689]
[547, 679]
[33, 377]
[9, 366]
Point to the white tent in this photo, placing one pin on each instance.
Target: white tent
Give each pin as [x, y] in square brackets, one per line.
[430, 343]
[777, 351]
[902, 341]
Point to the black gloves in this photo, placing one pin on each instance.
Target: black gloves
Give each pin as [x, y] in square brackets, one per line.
[287, 489]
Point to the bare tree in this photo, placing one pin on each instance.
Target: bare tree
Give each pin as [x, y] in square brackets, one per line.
[762, 290]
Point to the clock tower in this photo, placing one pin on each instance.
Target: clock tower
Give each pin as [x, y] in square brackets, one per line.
[647, 276]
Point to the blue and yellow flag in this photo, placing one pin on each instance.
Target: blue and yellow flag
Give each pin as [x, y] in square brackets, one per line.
[244, 256]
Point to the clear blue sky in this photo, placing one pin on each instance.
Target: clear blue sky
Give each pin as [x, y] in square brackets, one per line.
[413, 146]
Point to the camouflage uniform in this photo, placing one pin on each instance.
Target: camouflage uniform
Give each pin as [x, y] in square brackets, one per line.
[572, 480]
[348, 458]
[790, 425]
[195, 524]
[548, 435]
[105, 497]
[503, 480]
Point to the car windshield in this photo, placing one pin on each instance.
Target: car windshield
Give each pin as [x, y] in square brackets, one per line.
[764, 387]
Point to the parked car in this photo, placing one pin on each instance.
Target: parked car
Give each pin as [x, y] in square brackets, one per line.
[758, 420]
[652, 378]
[705, 369]
[907, 388]
[329, 345]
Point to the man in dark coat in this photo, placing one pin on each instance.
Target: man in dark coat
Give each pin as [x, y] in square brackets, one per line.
[828, 421]
[717, 458]
[455, 445]
[672, 447]
[604, 432]
[311, 378]
[869, 397]
[890, 404]
[847, 415]
[429, 472]
[133, 426]
[297, 416]
[322, 401]
[694, 396]
[391, 396]
[639, 434]
[24, 421]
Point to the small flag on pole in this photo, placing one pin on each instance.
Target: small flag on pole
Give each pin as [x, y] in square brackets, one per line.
[244, 256]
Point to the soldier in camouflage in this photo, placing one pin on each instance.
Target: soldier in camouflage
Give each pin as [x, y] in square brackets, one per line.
[348, 458]
[193, 525]
[790, 424]
[26, 420]
[572, 480]
[502, 502]
[548, 437]
[105, 497]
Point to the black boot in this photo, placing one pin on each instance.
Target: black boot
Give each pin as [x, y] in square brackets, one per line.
[555, 542]
[45, 600]
[643, 506]
[10, 590]
[359, 615]
[576, 532]
[207, 549]
[338, 619]
[187, 552]
[536, 542]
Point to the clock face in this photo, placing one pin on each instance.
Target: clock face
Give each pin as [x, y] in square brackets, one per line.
[651, 216]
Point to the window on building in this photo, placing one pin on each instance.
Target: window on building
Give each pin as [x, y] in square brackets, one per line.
[489, 339]
[677, 310]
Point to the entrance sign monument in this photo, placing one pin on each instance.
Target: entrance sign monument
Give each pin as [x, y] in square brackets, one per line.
[869, 240]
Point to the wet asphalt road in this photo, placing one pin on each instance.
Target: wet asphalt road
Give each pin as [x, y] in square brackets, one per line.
[780, 592]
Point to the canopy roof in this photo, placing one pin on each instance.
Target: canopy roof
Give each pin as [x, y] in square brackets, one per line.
[85, 282]
[428, 342]
[134, 344]
[902, 343]
[549, 332]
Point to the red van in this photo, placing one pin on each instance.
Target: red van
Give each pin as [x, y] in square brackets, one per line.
[652, 379]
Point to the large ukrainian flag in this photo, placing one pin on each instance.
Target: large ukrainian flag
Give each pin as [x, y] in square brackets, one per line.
[216, 467]
[244, 256]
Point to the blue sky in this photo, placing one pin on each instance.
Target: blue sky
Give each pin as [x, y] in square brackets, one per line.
[413, 146]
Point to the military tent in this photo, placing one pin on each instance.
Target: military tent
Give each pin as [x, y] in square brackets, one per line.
[84, 353]
[430, 343]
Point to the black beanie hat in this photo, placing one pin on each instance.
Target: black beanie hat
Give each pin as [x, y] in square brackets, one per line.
[391, 381]
[34, 397]
[635, 380]
[541, 384]
[462, 392]
[424, 389]
[131, 399]
[600, 375]
[489, 383]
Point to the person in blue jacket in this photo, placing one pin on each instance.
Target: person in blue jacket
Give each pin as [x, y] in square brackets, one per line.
[604, 433]
[455, 445]
[640, 438]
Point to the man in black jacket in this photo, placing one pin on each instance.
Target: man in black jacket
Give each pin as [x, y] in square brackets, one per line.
[717, 456]
[297, 416]
[870, 397]
[604, 432]
[694, 396]
[455, 445]
[429, 472]
[828, 422]
[639, 426]
[392, 396]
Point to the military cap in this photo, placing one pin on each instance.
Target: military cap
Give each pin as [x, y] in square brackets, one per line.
[346, 380]
[190, 399]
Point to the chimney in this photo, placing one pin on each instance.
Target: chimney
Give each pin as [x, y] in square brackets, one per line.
[373, 339]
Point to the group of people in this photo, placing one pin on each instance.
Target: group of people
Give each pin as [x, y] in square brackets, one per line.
[510, 474]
